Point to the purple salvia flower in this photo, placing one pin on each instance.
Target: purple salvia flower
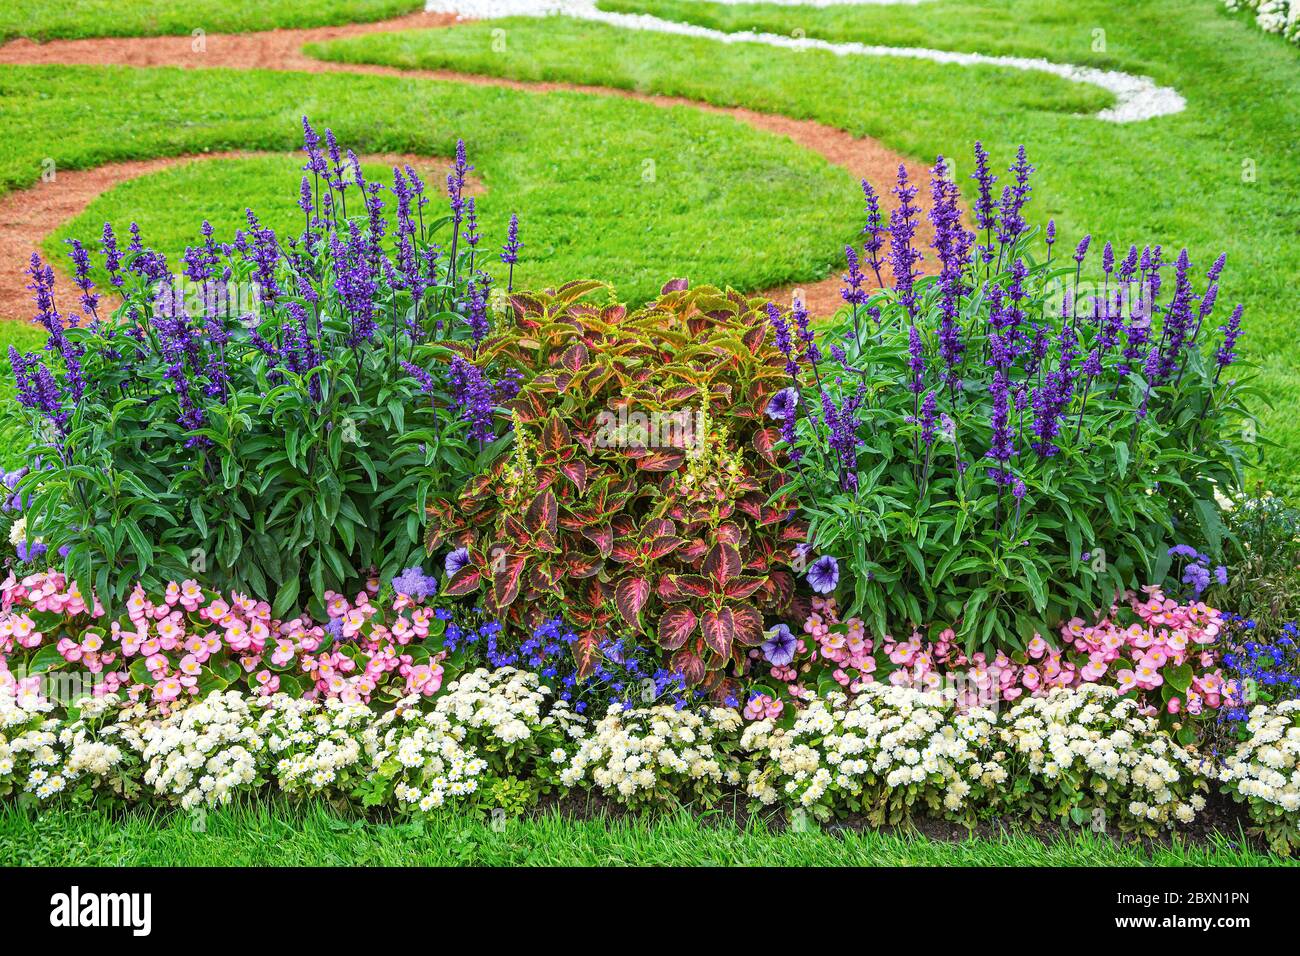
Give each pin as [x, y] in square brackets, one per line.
[784, 342]
[81, 275]
[476, 295]
[1217, 268]
[112, 258]
[903, 256]
[852, 293]
[1002, 442]
[1224, 357]
[1081, 251]
[1013, 200]
[874, 229]
[510, 251]
[985, 208]
[929, 419]
[806, 335]
[915, 361]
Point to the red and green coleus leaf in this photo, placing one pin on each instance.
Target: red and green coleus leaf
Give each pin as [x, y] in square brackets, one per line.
[764, 440]
[742, 587]
[661, 547]
[575, 357]
[555, 434]
[718, 625]
[658, 527]
[602, 536]
[543, 514]
[731, 533]
[663, 459]
[586, 653]
[576, 472]
[675, 626]
[691, 586]
[507, 571]
[625, 551]
[583, 566]
[630, 595]
[464, 581]
[689, 665]
[747, 624]
[722, 563]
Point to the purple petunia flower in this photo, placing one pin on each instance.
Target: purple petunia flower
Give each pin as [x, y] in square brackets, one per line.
[779, 648]
[824, 574]
[454, 561]
[783, 404]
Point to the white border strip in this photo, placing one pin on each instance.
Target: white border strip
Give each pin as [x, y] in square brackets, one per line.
[1137, 98]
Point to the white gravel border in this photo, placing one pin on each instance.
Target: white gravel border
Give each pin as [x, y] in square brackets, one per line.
[1137, 98]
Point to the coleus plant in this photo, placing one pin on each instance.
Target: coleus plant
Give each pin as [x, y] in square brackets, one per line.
[639, 493]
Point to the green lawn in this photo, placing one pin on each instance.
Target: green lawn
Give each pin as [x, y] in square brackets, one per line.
[64, 19]
[278, 834]
[604, 187]
[1177, 180]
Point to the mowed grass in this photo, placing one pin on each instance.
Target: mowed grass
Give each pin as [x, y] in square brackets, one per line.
[275, 833]
[68, 19]
[1222, 176]
[619, 190]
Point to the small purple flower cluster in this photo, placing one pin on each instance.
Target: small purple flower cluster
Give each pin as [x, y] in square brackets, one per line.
[1196, 572]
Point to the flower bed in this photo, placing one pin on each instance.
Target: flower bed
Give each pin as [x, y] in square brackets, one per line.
[703, 548]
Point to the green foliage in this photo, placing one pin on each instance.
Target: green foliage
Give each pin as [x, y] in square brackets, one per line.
[1264, 577]
[640, 491]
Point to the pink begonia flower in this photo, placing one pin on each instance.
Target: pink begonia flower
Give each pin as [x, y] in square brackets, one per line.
[424, 679]
[191, 595]
[1148, 676]
[167, 689]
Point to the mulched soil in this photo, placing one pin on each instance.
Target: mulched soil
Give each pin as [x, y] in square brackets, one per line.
[26, 216]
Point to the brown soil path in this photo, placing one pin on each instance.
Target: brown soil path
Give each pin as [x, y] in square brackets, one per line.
[28, 215]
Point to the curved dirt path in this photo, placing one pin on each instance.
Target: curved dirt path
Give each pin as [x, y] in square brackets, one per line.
[27, 216]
